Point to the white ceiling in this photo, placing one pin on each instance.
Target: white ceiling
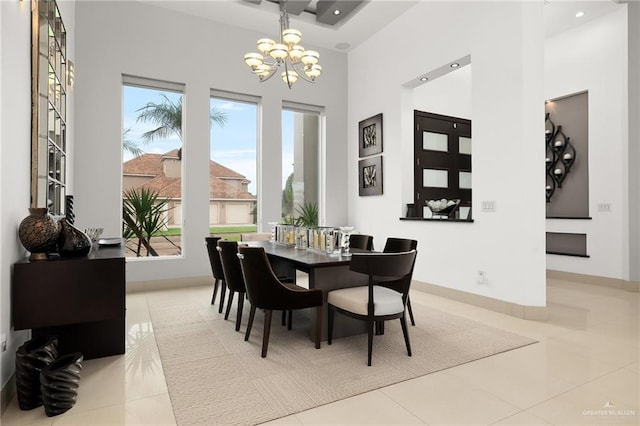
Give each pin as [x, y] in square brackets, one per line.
[366, 20]
[560, 15]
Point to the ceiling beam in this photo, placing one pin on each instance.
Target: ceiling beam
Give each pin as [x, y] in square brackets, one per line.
[296, 7]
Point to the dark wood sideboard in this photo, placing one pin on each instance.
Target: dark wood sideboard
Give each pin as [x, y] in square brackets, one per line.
[81, 300]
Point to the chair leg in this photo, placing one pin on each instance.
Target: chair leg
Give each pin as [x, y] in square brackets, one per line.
[265, 332]
[239, 313]
[223, 291]
[290, 319]
[413, 322]
[330, 316]
[252, 314]
[284, 318]
[403, 322]
[318, 325]
[216, 283]
[229, 302]
[370, 326]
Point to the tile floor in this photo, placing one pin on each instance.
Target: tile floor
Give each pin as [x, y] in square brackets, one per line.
[584, 370]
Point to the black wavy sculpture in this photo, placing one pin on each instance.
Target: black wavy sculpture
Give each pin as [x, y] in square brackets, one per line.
[559, 158]
[59, 382]
[31, 358]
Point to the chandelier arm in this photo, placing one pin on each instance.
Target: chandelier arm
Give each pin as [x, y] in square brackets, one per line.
[301, 72]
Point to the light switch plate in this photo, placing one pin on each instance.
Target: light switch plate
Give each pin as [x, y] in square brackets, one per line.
[488, 206]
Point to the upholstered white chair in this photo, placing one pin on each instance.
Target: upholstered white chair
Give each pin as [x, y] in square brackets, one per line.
[374, 303]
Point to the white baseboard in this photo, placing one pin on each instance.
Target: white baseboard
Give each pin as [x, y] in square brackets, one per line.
[173, 283]
[632, 286]
[535, 313]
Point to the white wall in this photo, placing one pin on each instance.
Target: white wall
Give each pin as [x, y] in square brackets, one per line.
[449, 95]
[506, 48]
[15, 151]
[593, 57]
[142, 40]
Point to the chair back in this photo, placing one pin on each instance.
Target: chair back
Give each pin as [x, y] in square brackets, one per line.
[258, 276]
[264, 289]
[396, 245]
[231, 265]
[361, 241]
[214, 257]
[383, 265]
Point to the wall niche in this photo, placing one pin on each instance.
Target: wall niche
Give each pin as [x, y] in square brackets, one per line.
[570, 199]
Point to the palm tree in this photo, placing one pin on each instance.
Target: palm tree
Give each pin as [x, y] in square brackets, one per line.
[167, 115]
[129, 145]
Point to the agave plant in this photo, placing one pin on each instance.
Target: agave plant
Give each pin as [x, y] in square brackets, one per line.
[308, 215]
[143, 216]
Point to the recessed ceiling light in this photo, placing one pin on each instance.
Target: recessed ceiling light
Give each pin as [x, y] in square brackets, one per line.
[579, 14]
[336, 12]
[424, 78]
[454, 65]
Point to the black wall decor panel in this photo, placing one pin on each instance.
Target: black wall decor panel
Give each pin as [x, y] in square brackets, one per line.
[571, 200]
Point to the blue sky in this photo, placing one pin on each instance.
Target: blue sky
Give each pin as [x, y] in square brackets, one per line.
[232, 145]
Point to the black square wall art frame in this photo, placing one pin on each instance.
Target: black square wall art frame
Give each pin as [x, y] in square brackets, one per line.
[370, 136]
[370, 176]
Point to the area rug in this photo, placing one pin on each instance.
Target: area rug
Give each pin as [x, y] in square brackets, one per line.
[215, 377]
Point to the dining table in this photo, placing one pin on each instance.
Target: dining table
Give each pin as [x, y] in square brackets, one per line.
[325, 271]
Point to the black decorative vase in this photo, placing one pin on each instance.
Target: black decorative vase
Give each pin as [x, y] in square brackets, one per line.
[31, 358]
[72, 242]
[38, 233]
[59, 382]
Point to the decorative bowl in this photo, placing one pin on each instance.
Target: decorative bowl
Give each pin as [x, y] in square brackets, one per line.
[93, 233]
[443, 206]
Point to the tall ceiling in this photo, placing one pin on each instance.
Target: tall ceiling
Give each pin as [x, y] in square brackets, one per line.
[365, 19]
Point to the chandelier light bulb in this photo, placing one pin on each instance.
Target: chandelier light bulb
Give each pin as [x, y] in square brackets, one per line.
[253, 59]
[262, 70]
[279, 51]
[291, 36]
[295, 53]
[265, 45]
[289, 77]
[310, 57]
[313, 71]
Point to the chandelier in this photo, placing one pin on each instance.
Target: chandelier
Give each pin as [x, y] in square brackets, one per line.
[286, 55]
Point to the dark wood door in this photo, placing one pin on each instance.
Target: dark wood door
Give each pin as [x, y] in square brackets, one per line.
[442, 169]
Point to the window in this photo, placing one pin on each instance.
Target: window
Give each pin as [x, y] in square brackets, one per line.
[152, 167]
[232, 166]
[301, 170]
[443, 162]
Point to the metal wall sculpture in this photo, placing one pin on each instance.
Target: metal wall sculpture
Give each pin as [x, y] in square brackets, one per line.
[560, 156]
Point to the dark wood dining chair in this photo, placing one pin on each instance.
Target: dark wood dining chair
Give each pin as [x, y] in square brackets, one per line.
[361, 241]
[266, 292]
[397, 245]
[216, 269]
[373, 303]
[233, 277]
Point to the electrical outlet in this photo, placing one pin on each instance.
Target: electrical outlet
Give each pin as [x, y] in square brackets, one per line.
[481, 278]
[3, 342]
[604, 207]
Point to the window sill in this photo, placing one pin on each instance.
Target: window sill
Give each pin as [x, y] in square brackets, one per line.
[424, 219]
[570, 217]
[568, 254]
